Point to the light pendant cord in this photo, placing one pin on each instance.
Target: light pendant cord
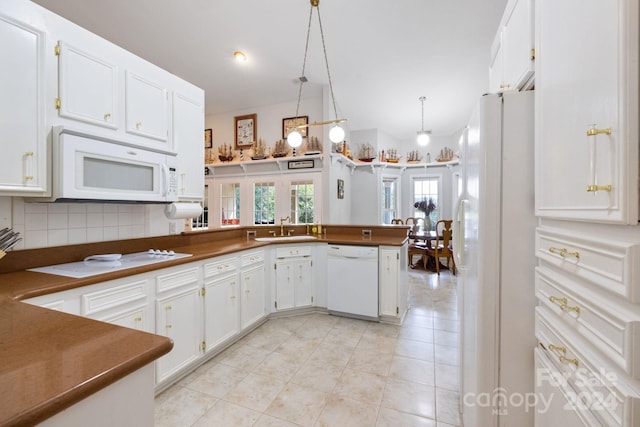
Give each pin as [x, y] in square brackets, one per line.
[304, 61]
[326, 61]
[422, 98]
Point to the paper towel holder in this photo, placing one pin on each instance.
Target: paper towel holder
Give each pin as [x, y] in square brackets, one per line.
[184, 210]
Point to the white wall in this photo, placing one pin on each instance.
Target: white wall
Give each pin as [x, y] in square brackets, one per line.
[269, 122]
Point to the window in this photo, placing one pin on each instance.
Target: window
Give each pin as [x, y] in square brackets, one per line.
[202, 222]
[230, 203]
[264, 203]
[389, 200]
[425, 200]
[301, 202]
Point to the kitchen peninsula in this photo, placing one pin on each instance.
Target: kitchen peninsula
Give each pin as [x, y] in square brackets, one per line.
[55, 360]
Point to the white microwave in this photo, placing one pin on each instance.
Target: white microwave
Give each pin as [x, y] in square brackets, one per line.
[91, 168]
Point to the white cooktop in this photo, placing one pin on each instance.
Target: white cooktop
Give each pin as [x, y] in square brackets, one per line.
[101, 264]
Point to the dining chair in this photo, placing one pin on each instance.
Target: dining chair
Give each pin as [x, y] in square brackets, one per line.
[442, 247]
[417, 248]
[396, 221]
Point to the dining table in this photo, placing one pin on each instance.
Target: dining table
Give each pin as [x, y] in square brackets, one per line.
[427, 236]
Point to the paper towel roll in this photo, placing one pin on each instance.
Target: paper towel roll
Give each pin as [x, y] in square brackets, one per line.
[183, 210]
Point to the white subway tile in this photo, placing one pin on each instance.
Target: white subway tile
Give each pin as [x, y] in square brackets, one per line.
[77, 236]
[57, 221]
[77, 220]
[57, 237]
[35, 221]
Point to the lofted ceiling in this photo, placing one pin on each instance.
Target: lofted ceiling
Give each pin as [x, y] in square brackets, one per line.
[383, 55]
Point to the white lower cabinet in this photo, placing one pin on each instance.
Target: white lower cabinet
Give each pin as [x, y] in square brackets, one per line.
[587, 325]
[179, 317]
[252, 306]
[122, 302]
[293, 268]
[393, 283]
[221, 309]
[556, 400]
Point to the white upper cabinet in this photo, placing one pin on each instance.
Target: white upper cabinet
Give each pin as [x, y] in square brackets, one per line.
[147, 107]
[88, 87]
[188, 128]
[22, 118]
[587, 110]
[512, 52]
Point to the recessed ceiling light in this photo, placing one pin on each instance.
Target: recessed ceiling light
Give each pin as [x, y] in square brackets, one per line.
[240, 56]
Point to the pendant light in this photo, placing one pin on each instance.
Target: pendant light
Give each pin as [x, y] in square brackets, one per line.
[336, 134]
[423, 135]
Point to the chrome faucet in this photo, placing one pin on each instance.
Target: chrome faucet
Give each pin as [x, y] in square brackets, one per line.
[282, 220]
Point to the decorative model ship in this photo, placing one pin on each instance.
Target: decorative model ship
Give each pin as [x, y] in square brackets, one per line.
[392, 156]
[446, 155]
[281, 149]
[225, 153]
[259, 150]
[313, 146]
[367, 153]
[414, 156]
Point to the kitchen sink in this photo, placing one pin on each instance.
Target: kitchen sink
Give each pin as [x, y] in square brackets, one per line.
[283, 238]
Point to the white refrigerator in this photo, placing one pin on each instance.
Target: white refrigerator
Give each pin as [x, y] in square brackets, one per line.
[494, 227]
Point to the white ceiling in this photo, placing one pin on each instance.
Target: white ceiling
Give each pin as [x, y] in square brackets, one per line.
[383, 55]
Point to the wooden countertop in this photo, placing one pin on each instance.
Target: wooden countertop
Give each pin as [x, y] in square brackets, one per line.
[51, 360]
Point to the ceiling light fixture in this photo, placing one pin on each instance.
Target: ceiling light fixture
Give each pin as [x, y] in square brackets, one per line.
[239, 56]
[423, 135]
[336, 134]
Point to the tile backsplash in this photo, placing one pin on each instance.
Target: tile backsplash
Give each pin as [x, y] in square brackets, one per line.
[59, 224]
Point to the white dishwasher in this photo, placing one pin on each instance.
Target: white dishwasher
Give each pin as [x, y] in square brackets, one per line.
[353, 281]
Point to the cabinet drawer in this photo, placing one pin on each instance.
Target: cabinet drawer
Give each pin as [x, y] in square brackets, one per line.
[220, 266]
[293, 251]
[610, 264]
[613, 329]
[169, 281]
[111, 297]
[556, 400]
[601, 389]
[252, 258]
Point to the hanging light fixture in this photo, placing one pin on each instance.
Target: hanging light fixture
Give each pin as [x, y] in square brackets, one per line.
[423, 135]
[336, 134]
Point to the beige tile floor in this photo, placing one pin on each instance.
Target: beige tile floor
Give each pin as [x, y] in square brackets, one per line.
[323, 370]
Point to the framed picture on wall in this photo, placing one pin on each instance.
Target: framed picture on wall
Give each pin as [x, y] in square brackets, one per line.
[290, 123]
[246, 130]
[208, 138]
[340, 189]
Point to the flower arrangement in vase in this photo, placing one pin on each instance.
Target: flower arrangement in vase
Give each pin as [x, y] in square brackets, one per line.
[426, 206]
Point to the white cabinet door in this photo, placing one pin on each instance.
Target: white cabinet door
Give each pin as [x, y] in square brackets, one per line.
[221, 309]
[88, 87]
[147, 108]
[293, 283]
[285, 284]
[303, 291]
[252, 295]
[496, 68]
[517, 45]
[135, 318]
[22, 112]
[188, 125]
[587, 82]
[388, 282]
[393, 282]
[179, 317]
